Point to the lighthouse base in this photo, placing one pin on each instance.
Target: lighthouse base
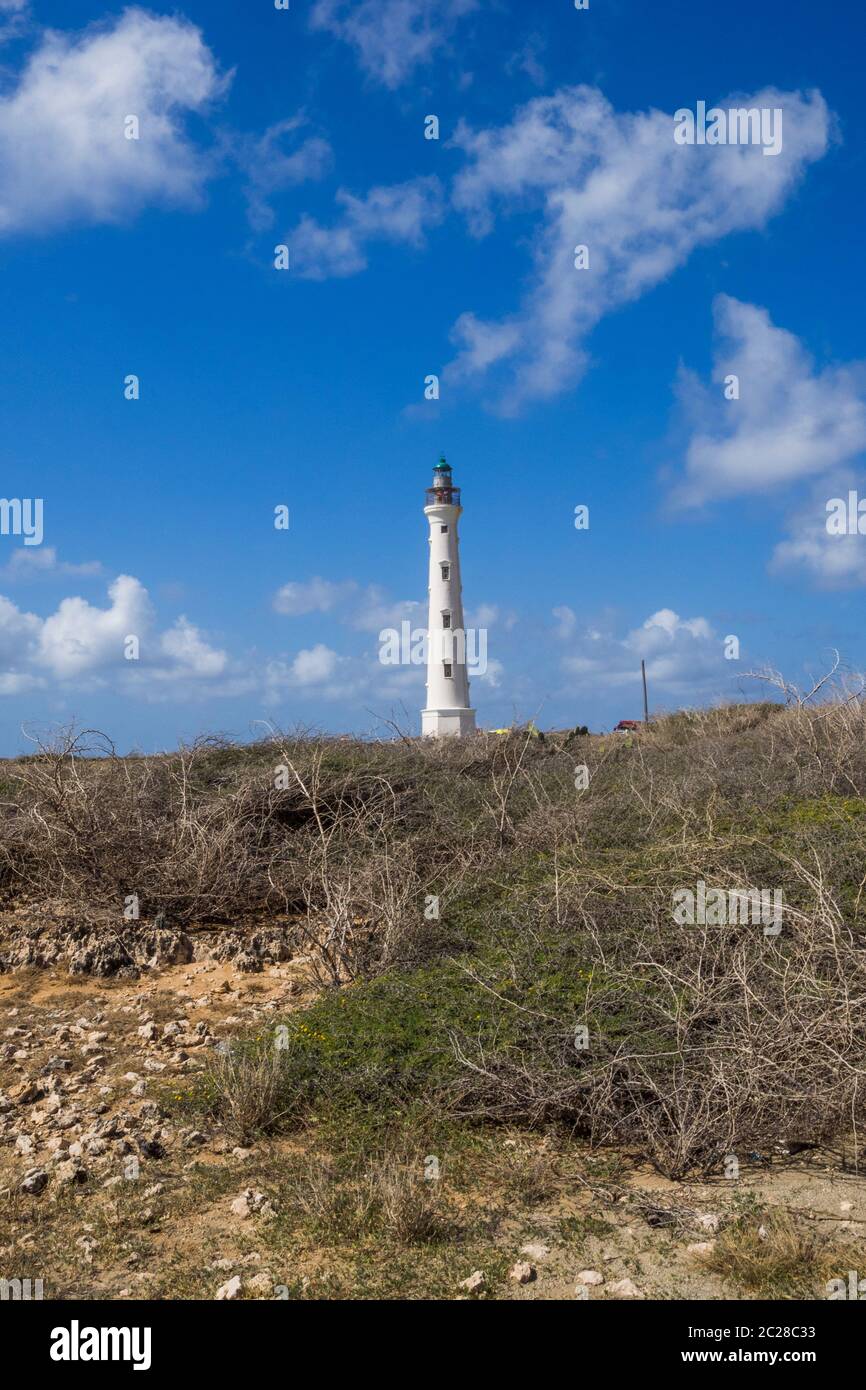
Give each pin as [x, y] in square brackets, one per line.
[447, 723]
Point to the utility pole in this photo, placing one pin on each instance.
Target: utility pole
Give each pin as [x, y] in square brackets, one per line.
[645, 705]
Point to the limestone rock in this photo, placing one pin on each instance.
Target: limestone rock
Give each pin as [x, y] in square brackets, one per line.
[71, 1172]
[708, 1221]
[34, 1181]
[624, 1288]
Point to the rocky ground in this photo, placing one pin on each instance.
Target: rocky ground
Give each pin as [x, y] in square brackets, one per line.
[110, 1187]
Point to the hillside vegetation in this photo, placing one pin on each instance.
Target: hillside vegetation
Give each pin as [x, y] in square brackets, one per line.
[491, 932]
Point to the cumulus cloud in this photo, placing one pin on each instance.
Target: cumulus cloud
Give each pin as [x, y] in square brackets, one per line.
[81, 642]
[396, 213]
[791, 421]
[683, 655]
[81, 638]
[188, 652]
[317, 670]
[617, 183]
[63, 153]
[314, 666]
[323, 673]
[358, 676]
[391, 37]
[19, 635]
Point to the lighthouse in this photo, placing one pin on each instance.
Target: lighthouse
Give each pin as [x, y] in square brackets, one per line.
[447, 710]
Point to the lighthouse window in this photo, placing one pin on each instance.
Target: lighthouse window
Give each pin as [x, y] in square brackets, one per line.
[446, 619]
[443, 529]
[447, 665]
[446, 571]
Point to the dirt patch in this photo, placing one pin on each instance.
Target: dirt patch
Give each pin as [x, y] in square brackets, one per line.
[133, 1201]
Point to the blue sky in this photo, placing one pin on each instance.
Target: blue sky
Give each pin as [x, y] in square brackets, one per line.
[261, 387]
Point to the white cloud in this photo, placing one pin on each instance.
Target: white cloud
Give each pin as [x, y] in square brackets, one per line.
[315, 596]
[17, 683]
[683, 656]
[320, 672]
[619, 184]
[367, 610]
[14, 15]
[314, 666]
[189, 653]
[492, 675]
[482, 344]
[397, 213]
[791, 422]
[277, 160]
[81, 643]
[485, 615]
[528, 59]
[375, 611]
[833, 562]
[566, 622]
[391, 37]
[32, 562]
[316, 671]
[19, 635]
[80, 638]
[63, 153]
[794, 424]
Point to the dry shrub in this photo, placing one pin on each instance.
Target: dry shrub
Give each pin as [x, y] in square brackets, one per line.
[778, 1255]
[336, 836]
[414, 1209]
[247, 1086]
[531, 1176]
[92, 828]
[703, 1041]
[388, 1196]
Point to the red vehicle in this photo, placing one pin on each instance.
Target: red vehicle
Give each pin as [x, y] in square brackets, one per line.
[627, 726]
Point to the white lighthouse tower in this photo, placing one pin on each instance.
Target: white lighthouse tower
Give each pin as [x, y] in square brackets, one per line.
[447, 710]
